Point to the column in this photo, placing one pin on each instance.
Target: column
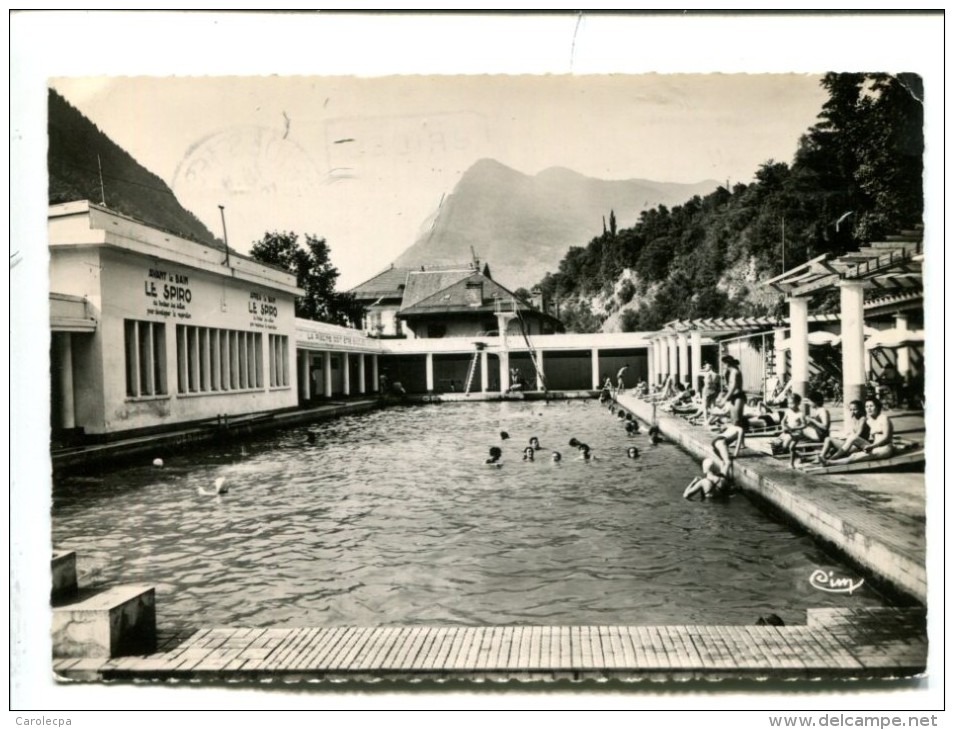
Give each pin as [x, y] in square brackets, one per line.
[326, 370]
[695, 343]
[595, 368]
[540, 383]
[484, 375]
[904, 354]
[650, 363]
[853, 340]
[781, 362]
[662, 366]
[304, 374]
[798, 319]
[64, 357]
[346, 372]
[375, 375]
[673, 364]
[504, 371]
[683, 344]
[361, 375]
[429, 371]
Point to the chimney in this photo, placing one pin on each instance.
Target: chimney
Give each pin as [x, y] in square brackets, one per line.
[474, 293]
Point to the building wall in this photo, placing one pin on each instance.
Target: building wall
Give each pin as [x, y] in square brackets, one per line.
[171, 295]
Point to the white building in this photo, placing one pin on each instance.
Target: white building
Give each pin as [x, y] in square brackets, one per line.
[149, 328]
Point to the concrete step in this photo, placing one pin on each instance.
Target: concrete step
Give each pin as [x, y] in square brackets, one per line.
[63, 567]
[117, 622]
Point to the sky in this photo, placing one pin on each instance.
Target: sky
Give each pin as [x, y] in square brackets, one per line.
[613, 134]
[364, 162]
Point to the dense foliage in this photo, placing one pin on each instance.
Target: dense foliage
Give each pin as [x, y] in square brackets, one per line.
[314, 273]
[85, 164]
[856, 176]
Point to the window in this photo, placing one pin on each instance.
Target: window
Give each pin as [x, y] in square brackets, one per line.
[278, 361]
[215, 360]
[145, 344]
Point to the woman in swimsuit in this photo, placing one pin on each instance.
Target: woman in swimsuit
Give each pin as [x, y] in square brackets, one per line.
[880, 436]
[818, 423]
[734, 396]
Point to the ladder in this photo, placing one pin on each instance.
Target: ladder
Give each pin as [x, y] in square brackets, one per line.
[533, 357]
[470, 372]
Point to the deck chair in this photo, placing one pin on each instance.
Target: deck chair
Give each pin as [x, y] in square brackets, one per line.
[905, 452]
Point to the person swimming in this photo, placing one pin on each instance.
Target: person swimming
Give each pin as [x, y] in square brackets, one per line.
[528, 453]
[556, 456]
[654, 436]
[495, 454]
[585, 453]
[535, 443]
[632, 452]
[631, 428]
[713, 482]
[220, 488]
[504, 435]
[577, 444]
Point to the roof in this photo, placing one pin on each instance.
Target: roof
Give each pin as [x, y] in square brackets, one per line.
[890, 265]
[425, 283]
[454, 299]
[389, 283]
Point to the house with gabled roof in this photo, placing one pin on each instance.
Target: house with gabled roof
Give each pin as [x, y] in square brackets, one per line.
[455, 300]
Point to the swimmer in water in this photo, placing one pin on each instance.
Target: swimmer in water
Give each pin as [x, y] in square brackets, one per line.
[311, 437]
[654, 437]
[556, 456]
[495, 454]
[528, 454]
[631, 428]
[632, 452]
[620, 414]
[535, 443]
[504, 435]
[585, 453]
[220, 488]
[713, 482]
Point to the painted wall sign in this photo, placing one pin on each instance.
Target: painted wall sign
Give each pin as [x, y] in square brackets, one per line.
[169, 293]
[263, 311]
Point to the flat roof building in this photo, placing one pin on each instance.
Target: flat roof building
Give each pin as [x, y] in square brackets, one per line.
[150, 328]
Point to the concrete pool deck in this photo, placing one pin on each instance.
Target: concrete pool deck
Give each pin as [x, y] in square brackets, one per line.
[875, 520]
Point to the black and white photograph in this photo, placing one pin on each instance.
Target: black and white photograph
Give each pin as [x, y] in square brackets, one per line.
[603, 377]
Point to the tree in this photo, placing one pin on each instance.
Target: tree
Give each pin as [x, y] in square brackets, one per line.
[313, 272]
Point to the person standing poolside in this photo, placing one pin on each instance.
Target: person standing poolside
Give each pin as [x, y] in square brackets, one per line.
[734, 398]
[793, 425]
[620, 386]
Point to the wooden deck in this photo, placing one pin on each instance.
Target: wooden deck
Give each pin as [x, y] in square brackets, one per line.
[834, 643]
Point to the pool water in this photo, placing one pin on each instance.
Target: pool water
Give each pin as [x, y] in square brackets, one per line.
[392, 517]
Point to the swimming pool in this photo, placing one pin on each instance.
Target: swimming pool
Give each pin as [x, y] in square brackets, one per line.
[392, 517]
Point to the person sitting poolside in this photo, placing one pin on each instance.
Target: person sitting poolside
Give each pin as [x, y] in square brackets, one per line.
[721, 444]
[713, 482]
[854, 437]
[880, 436]
[495, 454]
[632, 452]
[818, 422]
[793, 424]
[528, 453]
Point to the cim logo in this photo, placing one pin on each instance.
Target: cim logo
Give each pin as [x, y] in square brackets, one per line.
[827, 581]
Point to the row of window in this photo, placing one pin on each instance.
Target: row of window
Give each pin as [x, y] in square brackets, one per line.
[208, 359]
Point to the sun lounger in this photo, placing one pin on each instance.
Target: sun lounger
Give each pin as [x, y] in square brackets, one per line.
[905, 452]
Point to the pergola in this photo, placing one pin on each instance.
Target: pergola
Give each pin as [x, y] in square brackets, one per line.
[890, 269]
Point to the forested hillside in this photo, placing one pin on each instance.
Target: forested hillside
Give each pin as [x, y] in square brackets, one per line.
[856, 176]
[85, 164]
